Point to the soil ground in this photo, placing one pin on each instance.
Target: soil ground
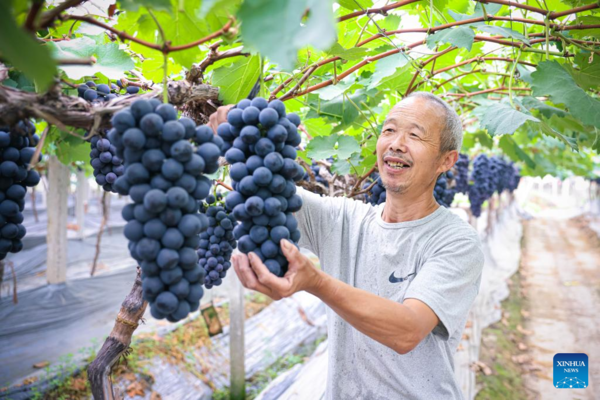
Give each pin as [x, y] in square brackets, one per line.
[561, 267]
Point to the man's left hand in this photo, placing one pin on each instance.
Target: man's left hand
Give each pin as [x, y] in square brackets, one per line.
[301, 274]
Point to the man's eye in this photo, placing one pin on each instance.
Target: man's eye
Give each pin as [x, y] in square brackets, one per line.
[414, 135]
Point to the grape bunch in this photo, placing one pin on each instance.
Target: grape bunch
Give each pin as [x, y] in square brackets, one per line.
[107, 165]
[216, 243]
[484, 183]
[316, 168]
[377, 194]
[16, 151]
[516, 178]
[442, 193]
[103, 92]
[260, 140]
[164, 178]
[462, 173]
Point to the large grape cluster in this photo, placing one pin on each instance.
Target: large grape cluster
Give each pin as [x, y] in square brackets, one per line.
[216, 243]
[164, 178]
[484, 184]
[16, 151]
[107, 165]
[103, 92]
[260, 140]
[461, 169]
[377, 194]
[442, 192]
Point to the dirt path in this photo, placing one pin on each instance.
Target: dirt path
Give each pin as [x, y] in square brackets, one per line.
[561, 265]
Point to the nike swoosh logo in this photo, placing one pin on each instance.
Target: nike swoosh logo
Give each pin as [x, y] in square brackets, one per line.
[393, 279]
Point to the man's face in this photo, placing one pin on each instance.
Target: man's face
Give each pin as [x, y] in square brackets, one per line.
[408, 154]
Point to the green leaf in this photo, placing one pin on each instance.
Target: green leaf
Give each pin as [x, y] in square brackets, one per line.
[499, 30]
[588, 74]
[524, 73]
[551, 79]
[545, 109]
[341, 107]
[22, 51]
[323, 147]
[548, 130]
[347, 145]
[386, 67]
[514, 151]
[355, 4]
[110, 60]
[490, 8]
[461, 36]
[355, 53]
[501, 118]
[586, 20]
[134, 5]
[332, 91]
[236, 80]
[286, 32]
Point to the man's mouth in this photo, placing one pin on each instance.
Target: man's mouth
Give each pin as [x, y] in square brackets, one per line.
[396, 163]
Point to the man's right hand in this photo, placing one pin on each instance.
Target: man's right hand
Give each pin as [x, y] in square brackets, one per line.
[218, 117]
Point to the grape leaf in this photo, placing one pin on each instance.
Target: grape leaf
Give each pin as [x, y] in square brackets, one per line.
[110, 60]
[588, 74]
[461, 36]
[499, 30]
[586, 20]
[19, 49]
[347, 145]
[545, 109]
[551, 79]
[236, 80]
[333, 91]
[287, 32]
[501, 118]
[355, 53]
[514, 151]
[355, 4]
[341, 107]
[134, 5]
[323, 147]
[386, 67]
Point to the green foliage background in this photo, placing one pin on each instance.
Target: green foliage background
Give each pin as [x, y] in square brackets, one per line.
[540, 80]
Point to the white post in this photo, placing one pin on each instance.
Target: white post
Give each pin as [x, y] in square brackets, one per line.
[56, 271]
[236, 337]
[80, 203]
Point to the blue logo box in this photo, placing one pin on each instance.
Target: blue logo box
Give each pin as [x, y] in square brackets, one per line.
[570, 371]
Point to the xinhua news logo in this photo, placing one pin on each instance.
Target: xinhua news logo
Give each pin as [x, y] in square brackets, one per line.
[571, 371]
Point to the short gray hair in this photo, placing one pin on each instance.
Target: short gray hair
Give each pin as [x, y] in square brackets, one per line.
[452, 132]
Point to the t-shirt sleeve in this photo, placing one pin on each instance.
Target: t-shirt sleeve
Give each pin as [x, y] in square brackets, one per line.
[317, 218]
[448, 282]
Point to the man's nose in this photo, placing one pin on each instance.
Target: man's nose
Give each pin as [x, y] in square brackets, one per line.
[399, 143]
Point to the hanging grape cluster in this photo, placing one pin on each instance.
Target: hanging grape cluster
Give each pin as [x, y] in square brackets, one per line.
[260, 139]
[377, 193]
[17, 148]
[442, 192]
[164, 178]
[103, 92]
[217, 242]
[461, 169]
[105, 162]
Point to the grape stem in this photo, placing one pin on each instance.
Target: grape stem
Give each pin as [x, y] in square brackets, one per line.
[226, 186]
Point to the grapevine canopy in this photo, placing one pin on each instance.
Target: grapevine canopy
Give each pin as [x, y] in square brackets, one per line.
[524, 76]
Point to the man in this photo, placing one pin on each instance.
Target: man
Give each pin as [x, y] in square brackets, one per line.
[399, 278]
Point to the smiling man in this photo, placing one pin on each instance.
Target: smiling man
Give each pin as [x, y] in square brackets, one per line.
[399, 278]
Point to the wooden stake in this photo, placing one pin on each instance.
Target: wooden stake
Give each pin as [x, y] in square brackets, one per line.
[56, 270]
[236, 343]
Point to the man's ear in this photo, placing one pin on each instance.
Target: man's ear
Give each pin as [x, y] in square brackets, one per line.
[448, 160]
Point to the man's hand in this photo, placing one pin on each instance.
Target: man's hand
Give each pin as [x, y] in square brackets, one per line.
[218, 117]
[301, 274]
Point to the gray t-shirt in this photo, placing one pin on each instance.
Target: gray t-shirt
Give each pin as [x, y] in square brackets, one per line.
[441, 256]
